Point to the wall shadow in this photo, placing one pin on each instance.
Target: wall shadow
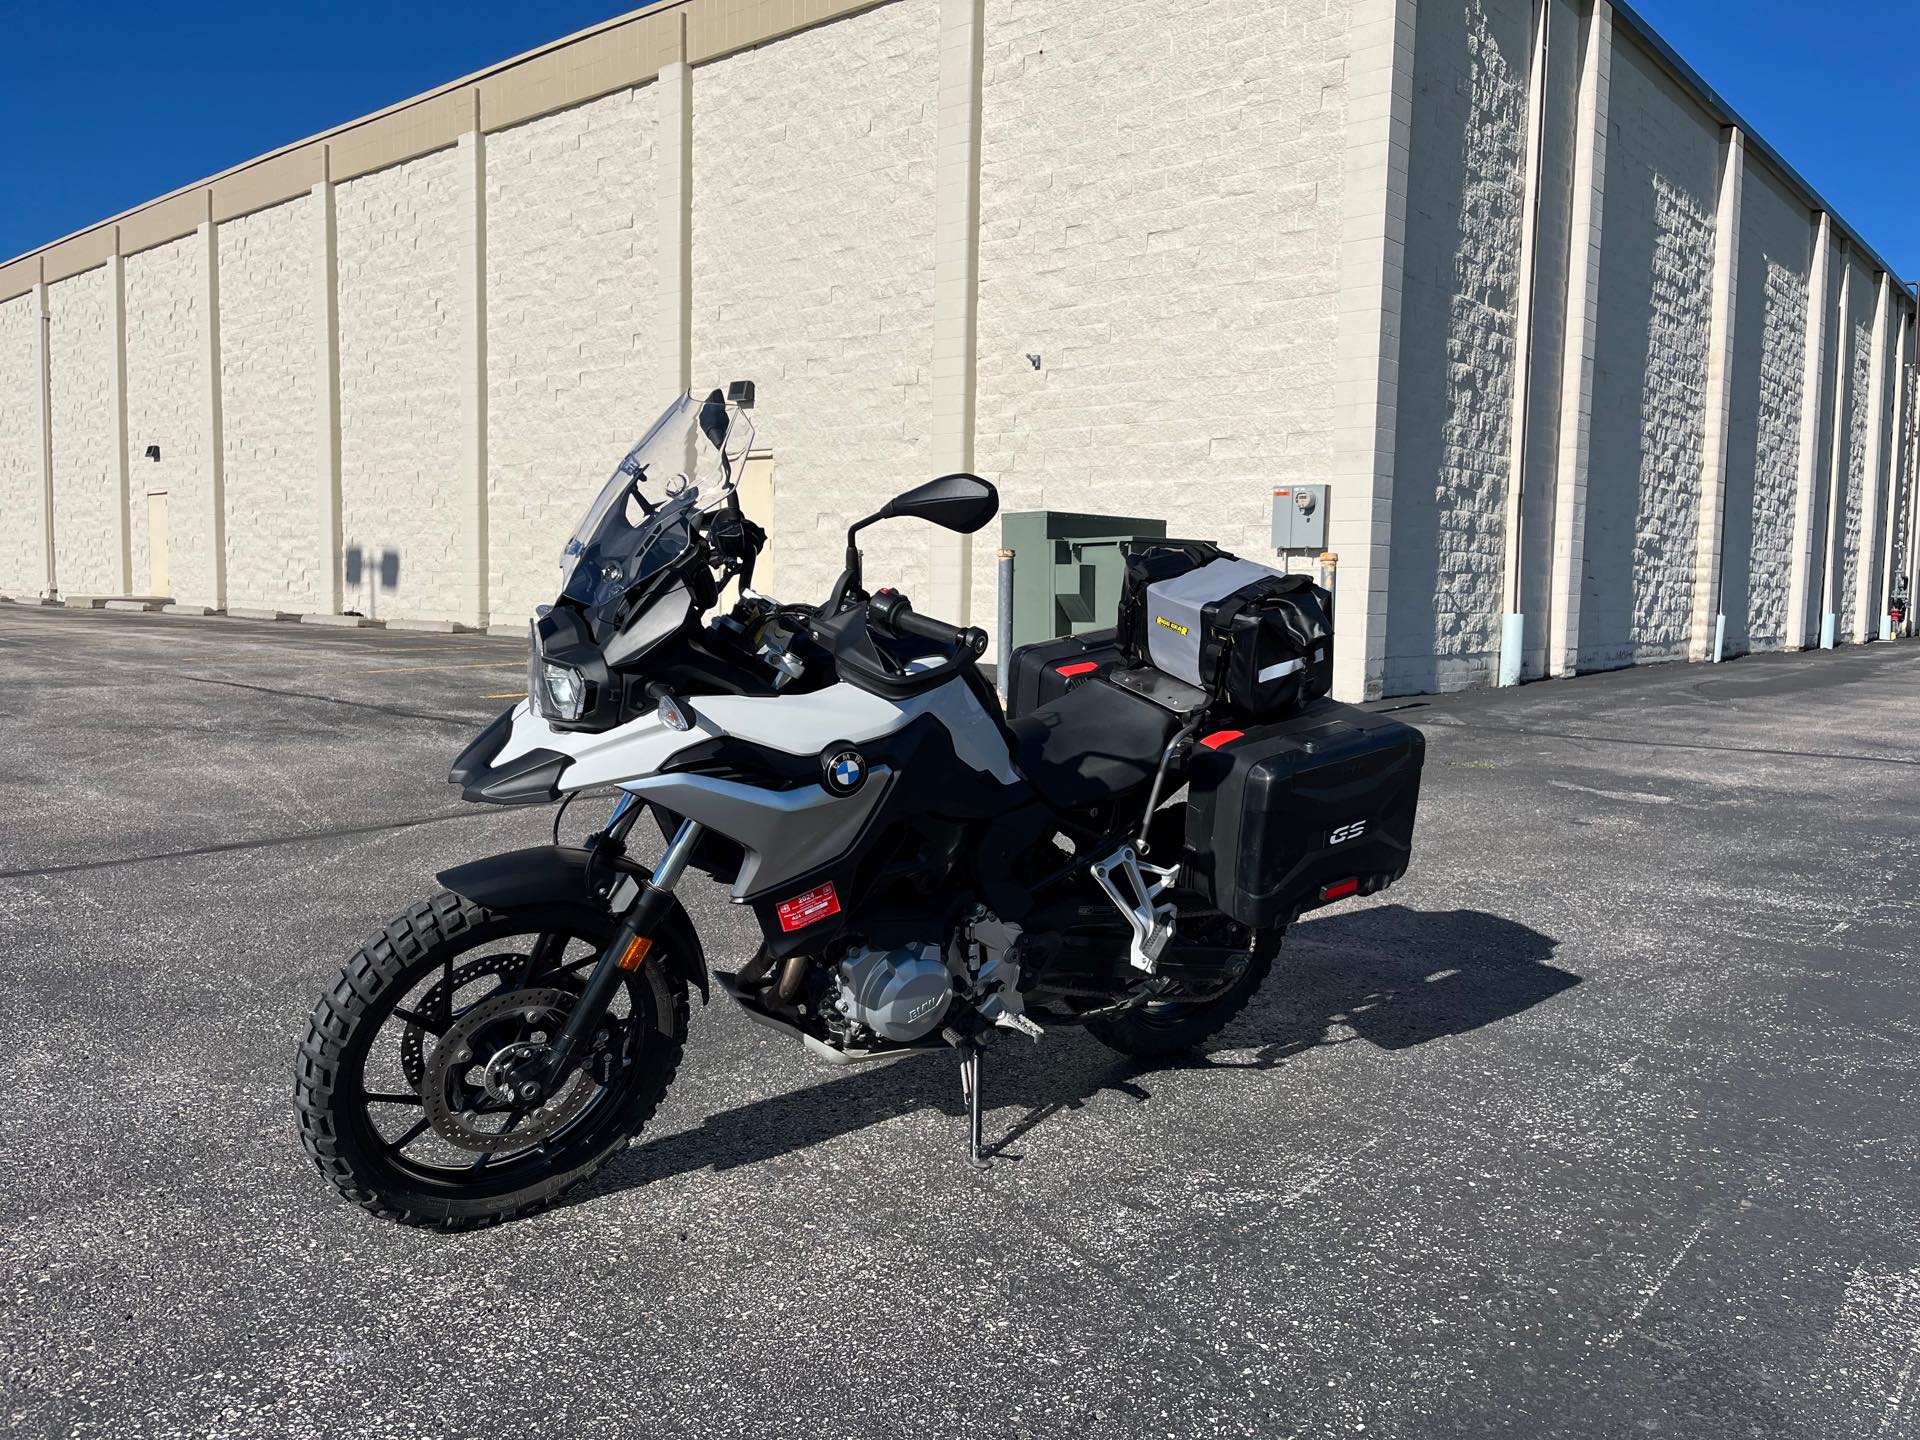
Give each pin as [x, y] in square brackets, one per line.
[1391, 977]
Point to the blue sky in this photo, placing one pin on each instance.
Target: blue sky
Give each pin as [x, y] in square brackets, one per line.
[109, 104]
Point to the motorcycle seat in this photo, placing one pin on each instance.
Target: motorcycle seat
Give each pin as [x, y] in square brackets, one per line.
[1090, 744]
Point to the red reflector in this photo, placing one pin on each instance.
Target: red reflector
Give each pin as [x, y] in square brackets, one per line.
[1079, 667]
[1221, 737]
[802, 910]
[1339, 890]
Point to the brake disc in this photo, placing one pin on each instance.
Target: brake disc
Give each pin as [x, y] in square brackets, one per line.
[467, 1086]
[413, 1040]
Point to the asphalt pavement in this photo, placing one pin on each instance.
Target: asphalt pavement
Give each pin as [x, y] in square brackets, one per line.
[1600, 1123]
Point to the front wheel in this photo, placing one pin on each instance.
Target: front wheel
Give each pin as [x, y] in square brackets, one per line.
[402, 1088]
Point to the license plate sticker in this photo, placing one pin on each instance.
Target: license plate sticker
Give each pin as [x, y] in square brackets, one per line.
[803, 910]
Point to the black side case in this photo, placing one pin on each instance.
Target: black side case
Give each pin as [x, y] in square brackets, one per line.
[1048, 669]
[1282, 812]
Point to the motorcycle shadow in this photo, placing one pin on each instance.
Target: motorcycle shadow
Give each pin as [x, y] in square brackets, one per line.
[1388, 975]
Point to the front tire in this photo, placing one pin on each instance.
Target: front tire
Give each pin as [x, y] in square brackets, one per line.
[369, 1114]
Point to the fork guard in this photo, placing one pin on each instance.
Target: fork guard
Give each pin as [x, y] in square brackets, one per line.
[557, 874]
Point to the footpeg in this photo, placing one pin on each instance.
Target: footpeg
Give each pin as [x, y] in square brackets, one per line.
[1134, 886]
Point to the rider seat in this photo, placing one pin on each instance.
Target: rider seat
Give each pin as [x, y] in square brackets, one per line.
[1090, 744]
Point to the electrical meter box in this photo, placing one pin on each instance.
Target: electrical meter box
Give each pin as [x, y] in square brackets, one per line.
[1068, 569]
[1300, 517]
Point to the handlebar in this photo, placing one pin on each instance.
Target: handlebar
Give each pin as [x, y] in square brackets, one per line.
[891, 613]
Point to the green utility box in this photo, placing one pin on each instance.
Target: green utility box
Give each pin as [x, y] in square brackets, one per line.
[1068, 569]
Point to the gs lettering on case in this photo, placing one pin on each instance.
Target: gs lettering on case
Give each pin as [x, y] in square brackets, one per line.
[1348, 832]
[844, 771]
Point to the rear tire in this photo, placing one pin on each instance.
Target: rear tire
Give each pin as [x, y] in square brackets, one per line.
[331, 1088]
[1161, 1029]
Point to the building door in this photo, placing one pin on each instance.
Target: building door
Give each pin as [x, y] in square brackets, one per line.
[157, 577]
[756, 502]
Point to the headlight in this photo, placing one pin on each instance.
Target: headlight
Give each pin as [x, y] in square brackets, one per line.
[564, 691]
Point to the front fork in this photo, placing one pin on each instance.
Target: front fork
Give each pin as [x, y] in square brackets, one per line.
[631, 942]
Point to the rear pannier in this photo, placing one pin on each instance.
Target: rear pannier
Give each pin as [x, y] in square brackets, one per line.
[1258, 639]
[1286, 817]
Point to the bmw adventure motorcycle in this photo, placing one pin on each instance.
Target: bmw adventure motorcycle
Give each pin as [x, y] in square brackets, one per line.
[925, 873]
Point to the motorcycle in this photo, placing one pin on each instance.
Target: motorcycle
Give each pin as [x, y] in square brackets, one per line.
[926, 874]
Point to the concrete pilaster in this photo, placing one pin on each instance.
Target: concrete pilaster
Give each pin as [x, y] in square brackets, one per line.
[470, 487]
[1867, 609]
[1813, 379]
[674, 93]
[1513, 637]
[213, 488]
[1707, 627]
[1836, 460]
[1578, 348]
[1898, 487]
[956, 285]
[43, 396]
[1910, 453]
[117, 401]
[1366, 386]
[327, 505]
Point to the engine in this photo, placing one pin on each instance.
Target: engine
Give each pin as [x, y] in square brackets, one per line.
[899, 995]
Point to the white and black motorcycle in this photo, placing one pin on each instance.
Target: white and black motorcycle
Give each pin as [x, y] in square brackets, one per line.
[924, 872]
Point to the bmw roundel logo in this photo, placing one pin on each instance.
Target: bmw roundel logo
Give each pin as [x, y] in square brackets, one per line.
[844, 771]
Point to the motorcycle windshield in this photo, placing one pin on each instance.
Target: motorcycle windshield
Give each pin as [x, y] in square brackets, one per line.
[642, 519]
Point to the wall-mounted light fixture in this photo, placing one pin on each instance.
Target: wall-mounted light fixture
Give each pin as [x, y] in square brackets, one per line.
[153, 452]
[1033, 360]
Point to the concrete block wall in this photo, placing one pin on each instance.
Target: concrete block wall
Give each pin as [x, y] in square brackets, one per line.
[1775, 255]
[572, 332]
[1656, 265]
[399, 385]
[1160, 212]
[22, 554]
[1504, 295]
[1458, 348]
[166, 385]
[813, 273]
[84, 471]
[269, 298]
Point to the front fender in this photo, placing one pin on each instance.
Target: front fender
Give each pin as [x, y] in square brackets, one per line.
[557, 874]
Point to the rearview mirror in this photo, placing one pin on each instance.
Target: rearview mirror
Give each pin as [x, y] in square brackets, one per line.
[713, 420]
[954, 502]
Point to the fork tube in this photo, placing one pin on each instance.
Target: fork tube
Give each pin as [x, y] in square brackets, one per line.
[639, 923]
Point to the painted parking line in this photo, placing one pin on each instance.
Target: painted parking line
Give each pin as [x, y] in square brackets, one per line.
[510, 695]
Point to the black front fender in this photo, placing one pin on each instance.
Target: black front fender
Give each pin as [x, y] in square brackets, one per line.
[557, 874]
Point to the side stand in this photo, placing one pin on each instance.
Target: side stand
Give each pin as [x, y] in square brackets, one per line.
[970, 1093]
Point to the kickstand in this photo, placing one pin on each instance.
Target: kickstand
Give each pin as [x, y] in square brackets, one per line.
[970, 1092]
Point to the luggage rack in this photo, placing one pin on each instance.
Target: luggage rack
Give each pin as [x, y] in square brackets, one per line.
[1161, 688]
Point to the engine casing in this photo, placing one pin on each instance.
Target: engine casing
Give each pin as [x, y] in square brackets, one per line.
[899, 995]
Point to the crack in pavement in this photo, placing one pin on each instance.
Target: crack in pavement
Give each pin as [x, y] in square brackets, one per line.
[227, 846]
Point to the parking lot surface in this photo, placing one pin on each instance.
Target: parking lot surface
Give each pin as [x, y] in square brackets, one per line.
[1600, 1123]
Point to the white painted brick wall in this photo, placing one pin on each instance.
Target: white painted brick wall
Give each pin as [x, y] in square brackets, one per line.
[1466, 177]
[813, 275]
[572, 240]
[166, 379]
[1656, 269]
[1763, 439]
[1858, 403]
[399, 384]
[269, 329]
[1160, 223]
[84, 475]
[21, 549]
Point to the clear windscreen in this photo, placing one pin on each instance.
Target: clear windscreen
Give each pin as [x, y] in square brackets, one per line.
[642, 518]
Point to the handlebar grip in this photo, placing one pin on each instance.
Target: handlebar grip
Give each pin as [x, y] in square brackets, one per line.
[891, 611]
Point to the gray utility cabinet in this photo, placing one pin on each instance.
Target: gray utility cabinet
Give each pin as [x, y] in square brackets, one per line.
[1068, 569]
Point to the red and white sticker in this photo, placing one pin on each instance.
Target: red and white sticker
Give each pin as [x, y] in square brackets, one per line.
[802, 910]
